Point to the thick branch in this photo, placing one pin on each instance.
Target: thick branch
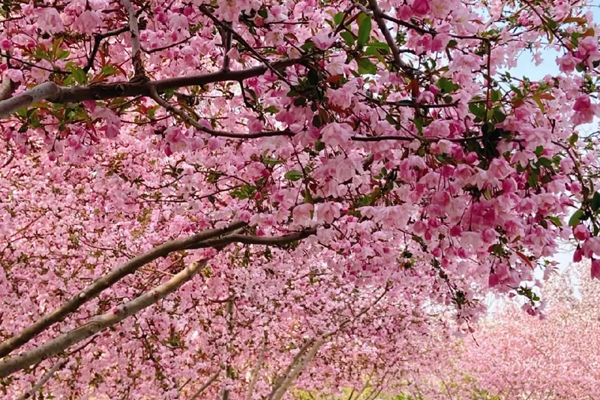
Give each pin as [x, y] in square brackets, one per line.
[99, 323]
[107, 281]
[297, 366]
[378, 16]
[41, 92]
[136, 58]
[58, 94]
[259, 240]
[45, 378]
[256, 370]
[104, 321]
[5, 88]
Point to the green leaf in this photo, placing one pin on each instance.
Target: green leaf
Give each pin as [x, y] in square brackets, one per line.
[109, 70]
[546, 162]
[555, 221]
[517, 91]
[574, 221]
[477, 110]
[293, 175]
[499, 115]
[365, 66]
[533, 179]
[339, 17]
[313, 77]
[446, 85]
[348, 38]
[376, 48]
[573, 139]
[272, 109]
[364, 31]
[79, 76]
[596, 201]
[539, 150]
[62, 54]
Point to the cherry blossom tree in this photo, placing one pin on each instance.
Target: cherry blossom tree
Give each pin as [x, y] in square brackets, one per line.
[247, 198]
[515, 356]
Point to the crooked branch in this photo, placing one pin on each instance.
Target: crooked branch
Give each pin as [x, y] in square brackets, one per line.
[59, 94]
[107, 281]
[190, 120]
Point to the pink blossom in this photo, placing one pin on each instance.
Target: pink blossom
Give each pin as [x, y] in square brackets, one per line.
[585, 111]
[323, 40]
[327, 212]
[595, 270]
[567, 63]
[336, 134]
[302, 213]
[421, 7]
[49, 20]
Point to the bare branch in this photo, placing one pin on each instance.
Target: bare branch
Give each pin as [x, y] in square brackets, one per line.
[99, 323]
[378, 16]
[297, 366]
[256, 370]
[206, 385]
[240, 39]
[44, 91]
[107, 281]
[136, 58]
[45, 378]
[97, 41]
[188, 118]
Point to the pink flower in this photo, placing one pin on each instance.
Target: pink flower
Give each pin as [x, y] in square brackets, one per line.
[5, 44]
[87, 22]
[577, 255]
[323, 40]
[584, 110]
[567, 63]
[421, 7]
[302, 213]
[587, 46]
[595, 270]
[327, 212]
[440, 42]
[455, 231]
[49, 20]
[336, 134]
[581, 232]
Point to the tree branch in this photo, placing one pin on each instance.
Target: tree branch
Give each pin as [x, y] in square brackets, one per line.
[206, 385]
[256, 370]
[103, 91]
[41, 92]
[378, 16]
[258, 240]
[99, 323]
[107, 281]
[97, 41]
[136, 58]
[188, 118]
[297, 366]
[6, 87]
[45, 378]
